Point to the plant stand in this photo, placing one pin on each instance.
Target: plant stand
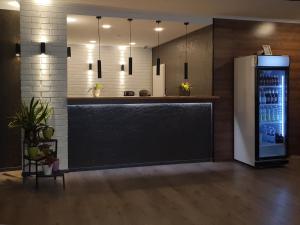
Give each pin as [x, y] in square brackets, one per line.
[38, 162]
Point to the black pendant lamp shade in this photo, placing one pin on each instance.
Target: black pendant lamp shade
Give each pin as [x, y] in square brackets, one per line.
[99, 60]
[186, 71]
[69, 54]
[99, 69]
[130, 58]
[158, 66]
[90, 66]
[130, 66]
[43, 48]
[18, 50]
[158, 45]
[186, 64]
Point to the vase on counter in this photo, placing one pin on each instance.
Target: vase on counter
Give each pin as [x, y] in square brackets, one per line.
[96, 93]
[183, 92]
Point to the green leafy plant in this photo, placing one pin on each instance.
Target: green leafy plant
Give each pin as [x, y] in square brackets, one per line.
[97, 86]
[32, 119]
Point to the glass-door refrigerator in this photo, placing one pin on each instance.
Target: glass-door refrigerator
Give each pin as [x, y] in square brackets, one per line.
[261, 110]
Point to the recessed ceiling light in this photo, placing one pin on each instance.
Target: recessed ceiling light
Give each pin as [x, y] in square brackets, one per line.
[158, 29]
[42, 2]
[14, 4]
[93, 42]
[106, 26]
[132, 43]
[71, 20]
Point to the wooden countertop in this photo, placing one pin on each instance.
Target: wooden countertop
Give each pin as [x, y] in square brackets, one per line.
[135, 99]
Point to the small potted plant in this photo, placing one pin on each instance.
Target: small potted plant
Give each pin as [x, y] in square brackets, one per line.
[32, 119]
[48, 165]
[185, 89]
[96, 90]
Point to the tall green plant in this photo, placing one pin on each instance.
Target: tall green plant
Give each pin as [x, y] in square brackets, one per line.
[32, 119]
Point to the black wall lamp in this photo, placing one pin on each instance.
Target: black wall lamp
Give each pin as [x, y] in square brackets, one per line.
[90, 66]
[43, 48]
[18, 50]
[122, 67]
[69, 54]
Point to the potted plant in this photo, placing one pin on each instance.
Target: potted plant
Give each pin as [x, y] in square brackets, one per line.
[185, 89]
[48, 165]
[32, 119]
[96, 90]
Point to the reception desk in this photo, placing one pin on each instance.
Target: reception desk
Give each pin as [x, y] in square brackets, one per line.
[136, 131]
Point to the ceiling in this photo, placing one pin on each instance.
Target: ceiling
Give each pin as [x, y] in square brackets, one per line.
[264, 9]
[183, 9]
[84, 29]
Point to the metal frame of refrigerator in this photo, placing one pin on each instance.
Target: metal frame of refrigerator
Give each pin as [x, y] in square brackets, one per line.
[245, 133]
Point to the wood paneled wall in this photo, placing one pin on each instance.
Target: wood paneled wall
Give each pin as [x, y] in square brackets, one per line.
[200, 62]
[232, 38]
[10, 89]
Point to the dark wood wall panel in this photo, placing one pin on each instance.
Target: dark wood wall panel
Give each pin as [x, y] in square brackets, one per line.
[232, 38]
[10, 89]
[200, 62]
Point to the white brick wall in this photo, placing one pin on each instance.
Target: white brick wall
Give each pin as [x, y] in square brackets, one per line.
[46, 76]
[115, 82]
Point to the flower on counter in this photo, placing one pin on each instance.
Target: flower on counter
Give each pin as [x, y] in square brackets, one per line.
[96, 90]
[186, 86]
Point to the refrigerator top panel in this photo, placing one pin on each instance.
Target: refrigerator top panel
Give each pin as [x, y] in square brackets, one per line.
[273, 61]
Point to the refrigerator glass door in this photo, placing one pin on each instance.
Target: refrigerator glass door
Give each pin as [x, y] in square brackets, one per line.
[272, 113]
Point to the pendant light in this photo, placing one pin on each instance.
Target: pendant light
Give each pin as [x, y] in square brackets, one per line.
[99, 53]
[158, 45]
[130, 58]
[186, 64]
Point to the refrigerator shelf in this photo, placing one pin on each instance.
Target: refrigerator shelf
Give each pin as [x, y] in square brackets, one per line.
[270, 122]
[265, 104]
[273, 86]
[271, 144]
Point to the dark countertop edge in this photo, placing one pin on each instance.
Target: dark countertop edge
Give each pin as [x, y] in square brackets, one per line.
[134, 100]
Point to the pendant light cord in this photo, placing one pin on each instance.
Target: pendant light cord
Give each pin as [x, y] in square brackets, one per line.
[158, 41]
[99, 37]
[186, 41]
[130, 20]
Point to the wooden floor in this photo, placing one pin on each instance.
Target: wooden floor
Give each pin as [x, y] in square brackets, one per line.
[190, 194]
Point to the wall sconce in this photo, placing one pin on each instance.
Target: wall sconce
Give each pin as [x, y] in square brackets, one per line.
[18, 50]
[90, 66]
[43, 48]
[69, 54]
[122, 67]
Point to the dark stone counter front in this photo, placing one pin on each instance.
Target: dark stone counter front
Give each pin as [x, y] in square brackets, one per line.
[117, 134]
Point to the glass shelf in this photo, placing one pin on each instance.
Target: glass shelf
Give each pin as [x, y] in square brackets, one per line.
[270, 122]
[271, 104]
[271, 86]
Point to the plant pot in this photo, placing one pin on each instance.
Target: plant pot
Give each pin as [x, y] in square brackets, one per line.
[33, 151]
[96, 93]
[183, 92]
[48, 133]
[47, 169]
